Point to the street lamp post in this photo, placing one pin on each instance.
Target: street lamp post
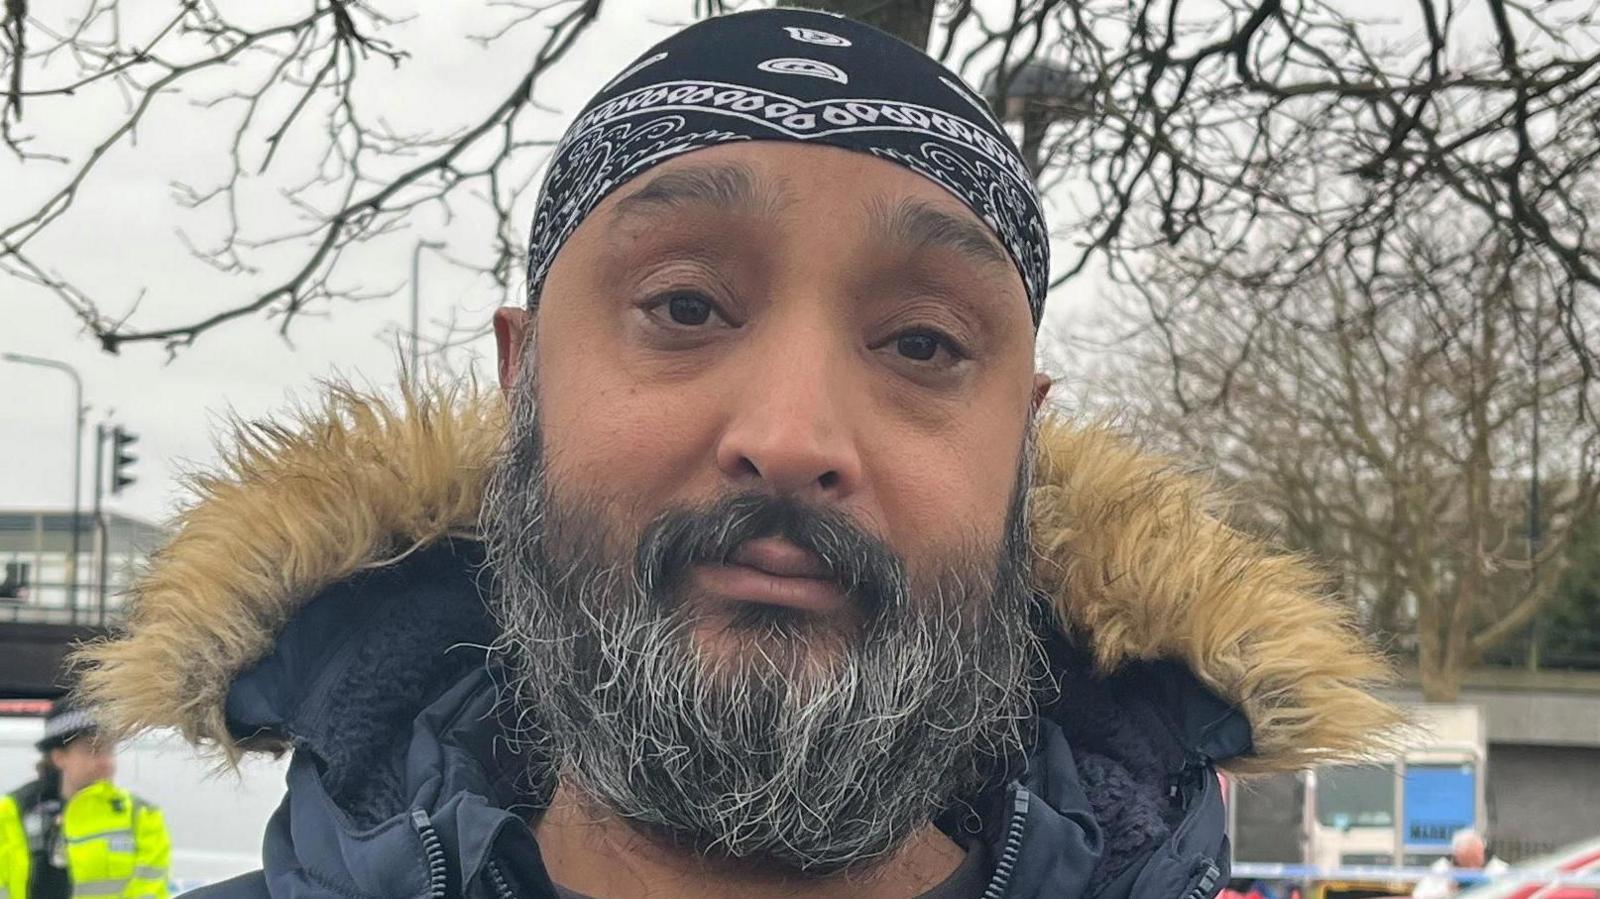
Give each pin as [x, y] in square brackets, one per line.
[77, 464]
[416, 300]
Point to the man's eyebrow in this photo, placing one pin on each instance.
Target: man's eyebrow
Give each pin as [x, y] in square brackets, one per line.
[727, 186]
[922, 224]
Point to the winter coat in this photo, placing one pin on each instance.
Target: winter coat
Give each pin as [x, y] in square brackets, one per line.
[325, 596]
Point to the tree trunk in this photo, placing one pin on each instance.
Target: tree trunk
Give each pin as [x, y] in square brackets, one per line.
[1440, 683]
[908, 20]
[1432, 658]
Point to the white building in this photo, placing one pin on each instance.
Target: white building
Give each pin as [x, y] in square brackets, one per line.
[37, 574]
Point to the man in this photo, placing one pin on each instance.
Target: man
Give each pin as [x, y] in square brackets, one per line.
[1468, 852]
[71, 832]
[772, 581]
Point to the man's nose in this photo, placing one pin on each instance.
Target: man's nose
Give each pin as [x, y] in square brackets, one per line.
[789, 431]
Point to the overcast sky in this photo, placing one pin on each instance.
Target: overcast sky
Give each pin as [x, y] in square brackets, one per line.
[119, 243]
[120, 239]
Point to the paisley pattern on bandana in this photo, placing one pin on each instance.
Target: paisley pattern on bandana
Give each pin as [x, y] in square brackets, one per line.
[763, 76]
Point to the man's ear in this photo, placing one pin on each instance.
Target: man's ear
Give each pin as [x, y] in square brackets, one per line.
[1041, 389]
[513, 327]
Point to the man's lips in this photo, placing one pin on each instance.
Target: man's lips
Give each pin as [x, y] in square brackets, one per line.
[772, 571]
[780, 558]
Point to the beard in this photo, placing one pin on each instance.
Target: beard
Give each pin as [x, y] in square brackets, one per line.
[797, 741]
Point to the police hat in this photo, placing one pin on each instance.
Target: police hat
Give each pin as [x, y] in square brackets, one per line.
[66, 721]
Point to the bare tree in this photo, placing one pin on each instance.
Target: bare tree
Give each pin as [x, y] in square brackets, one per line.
[1385, 428]
[1300, 128]
[1202, 127]
[292, 81]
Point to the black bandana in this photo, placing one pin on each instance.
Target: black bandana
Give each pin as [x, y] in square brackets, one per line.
[793, 75]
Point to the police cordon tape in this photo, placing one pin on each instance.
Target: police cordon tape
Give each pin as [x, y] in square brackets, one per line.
[1347, 873]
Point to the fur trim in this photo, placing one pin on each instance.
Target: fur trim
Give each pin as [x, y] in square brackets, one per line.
[295, 507]
[1138, 565]
[1142, 567]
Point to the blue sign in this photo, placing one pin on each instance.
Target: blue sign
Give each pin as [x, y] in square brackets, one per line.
[1439, 800]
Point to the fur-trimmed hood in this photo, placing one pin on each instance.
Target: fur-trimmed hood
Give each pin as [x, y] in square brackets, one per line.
[1131, 552]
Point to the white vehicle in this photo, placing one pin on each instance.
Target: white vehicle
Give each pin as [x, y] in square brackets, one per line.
[216, 818]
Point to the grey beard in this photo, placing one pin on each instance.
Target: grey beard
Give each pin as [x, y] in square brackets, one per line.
[810, 747]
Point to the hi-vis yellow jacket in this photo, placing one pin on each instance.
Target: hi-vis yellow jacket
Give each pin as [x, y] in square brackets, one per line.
[117, 846]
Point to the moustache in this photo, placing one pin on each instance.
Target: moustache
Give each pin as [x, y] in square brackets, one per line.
[862, 566]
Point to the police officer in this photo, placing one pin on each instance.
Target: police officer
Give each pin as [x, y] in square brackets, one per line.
[72, 833]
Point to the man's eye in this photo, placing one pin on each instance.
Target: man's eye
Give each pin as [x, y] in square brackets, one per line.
[924, 346]
[685, 309]
[921, 347]
[689, 309]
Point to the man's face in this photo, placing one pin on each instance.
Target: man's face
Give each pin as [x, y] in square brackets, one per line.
[760, 533]
[84, 761]
[1470, 853]
[807, 322]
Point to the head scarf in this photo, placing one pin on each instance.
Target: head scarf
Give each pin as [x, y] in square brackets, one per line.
[800, 76]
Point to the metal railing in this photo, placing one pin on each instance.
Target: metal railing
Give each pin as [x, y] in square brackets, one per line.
[1513, 851]
[51, 602]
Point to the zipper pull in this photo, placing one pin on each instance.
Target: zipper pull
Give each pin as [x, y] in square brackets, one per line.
[1190, 781]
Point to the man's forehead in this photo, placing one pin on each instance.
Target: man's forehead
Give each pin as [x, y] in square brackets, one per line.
[763, 181]
[706, 179]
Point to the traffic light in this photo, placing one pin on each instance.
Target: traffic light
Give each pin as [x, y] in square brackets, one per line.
[121, 459]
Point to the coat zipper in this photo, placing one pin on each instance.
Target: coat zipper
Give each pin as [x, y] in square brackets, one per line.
[1190, 780]
[502, 890]
[1208, 879]
[1001, 881]
[1190, 784]
[438, 881]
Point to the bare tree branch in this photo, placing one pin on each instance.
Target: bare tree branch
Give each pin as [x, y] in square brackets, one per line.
[1212, 131]
[1380, 422]
[317, 57]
